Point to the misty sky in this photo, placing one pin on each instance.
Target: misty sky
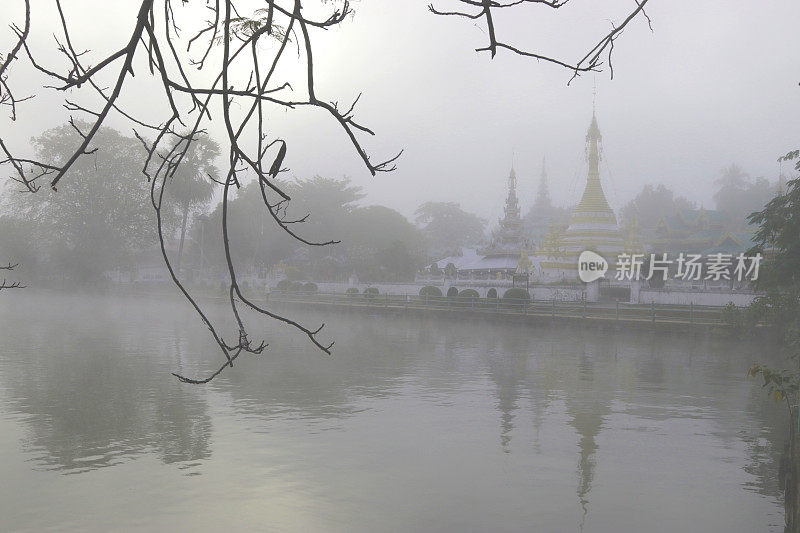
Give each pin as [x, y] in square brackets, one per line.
[715, 83]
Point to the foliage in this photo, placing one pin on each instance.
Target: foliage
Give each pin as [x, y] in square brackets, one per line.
[254, 240]
[310, 287]
[733, 316]
[779, 235]
[782, 384]
[452, 292]
[448, 227]
[377, 243]
[381, 245]
[97, 221]
[469, 293]
[430, 290]
[371, 292]
[283, 285]
[516, 294]
[16, 243]
[191, 187]
[738, 195]
[778, 238]
[491, 294]
[792, 154]
[651, 205]
[352, 291]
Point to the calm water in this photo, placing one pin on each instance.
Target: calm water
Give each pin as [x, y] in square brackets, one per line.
[412, 425]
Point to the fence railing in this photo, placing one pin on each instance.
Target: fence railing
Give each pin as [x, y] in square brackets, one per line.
[612, 311]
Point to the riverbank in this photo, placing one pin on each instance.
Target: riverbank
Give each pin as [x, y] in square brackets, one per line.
[616, 317]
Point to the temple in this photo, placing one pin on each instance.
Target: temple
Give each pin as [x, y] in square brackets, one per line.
[592, 225]
[509, 237]
[541, 246]
[542, 213]
[507, 253]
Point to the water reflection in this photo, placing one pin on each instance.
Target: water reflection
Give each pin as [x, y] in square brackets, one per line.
[93, 390]
[543, 424]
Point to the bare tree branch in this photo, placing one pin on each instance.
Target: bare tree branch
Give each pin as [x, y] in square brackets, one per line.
[591, 62]
[10, 284]
[229, 40]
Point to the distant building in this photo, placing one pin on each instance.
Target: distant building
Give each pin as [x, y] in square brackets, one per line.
[592, 225]
[702, 231]
[543, 214]
[501, 259]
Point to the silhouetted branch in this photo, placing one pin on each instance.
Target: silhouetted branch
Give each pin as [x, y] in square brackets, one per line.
[228, 44]
[592, 61]
[228, 40]
[7, 97]
[10, 284]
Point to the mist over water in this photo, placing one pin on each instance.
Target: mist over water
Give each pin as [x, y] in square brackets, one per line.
[411, 424]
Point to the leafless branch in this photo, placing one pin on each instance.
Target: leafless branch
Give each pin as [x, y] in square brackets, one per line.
[591, 62]
[230, 40]
[10, 284]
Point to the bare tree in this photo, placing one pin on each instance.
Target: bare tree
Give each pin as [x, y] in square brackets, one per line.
[200, 78]
[10, 284]
[486, 11]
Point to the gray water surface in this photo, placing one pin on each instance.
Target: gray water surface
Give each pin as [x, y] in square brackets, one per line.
[413, 424]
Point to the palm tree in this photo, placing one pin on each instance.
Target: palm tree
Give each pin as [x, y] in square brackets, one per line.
[192, 187]
[733, 177]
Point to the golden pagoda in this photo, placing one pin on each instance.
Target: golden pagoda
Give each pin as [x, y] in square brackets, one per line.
[592, 226]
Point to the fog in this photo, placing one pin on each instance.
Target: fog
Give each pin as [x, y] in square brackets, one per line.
[441, 346]
[714, 83]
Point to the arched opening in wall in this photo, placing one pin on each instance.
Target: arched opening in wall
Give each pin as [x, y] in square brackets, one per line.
[468, 297]
[452, 292]
[492, 293]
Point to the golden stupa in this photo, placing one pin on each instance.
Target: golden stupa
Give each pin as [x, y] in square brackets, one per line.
[592, 226]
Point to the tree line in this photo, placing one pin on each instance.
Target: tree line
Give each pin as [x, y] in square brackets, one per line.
[101, 222]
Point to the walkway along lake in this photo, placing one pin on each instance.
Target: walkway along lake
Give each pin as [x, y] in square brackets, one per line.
[414, 423]
[608, 315]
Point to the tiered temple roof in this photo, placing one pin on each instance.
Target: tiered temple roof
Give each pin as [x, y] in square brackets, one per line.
[510, 235]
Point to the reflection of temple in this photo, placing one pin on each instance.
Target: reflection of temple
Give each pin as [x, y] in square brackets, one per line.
[565, 370]
[593, 224]
[588, 406]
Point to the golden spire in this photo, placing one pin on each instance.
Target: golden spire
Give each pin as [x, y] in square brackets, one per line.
[594, 199]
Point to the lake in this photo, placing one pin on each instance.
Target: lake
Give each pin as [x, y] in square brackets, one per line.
[412, 425]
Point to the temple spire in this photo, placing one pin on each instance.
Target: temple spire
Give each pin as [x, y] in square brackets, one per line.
[512, 204]
[594, 199]
[510, 233]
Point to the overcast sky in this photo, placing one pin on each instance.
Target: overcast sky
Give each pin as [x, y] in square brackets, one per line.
[716, 82]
